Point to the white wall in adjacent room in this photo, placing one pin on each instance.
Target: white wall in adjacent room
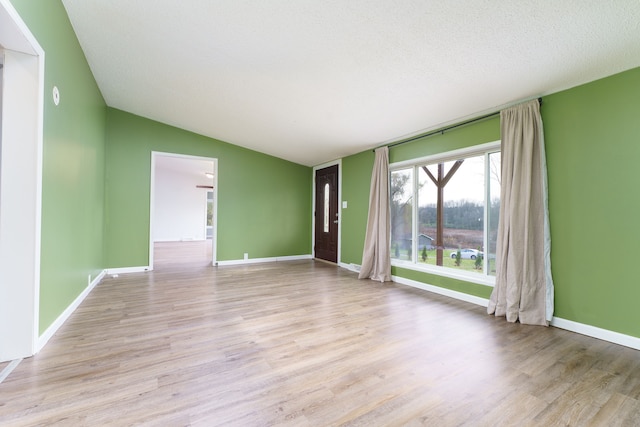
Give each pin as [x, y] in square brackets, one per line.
[179, 207]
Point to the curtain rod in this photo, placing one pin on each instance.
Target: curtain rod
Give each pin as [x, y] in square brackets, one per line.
[443, 130]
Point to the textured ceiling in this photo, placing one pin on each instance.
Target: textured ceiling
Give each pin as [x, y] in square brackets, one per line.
[311, 81]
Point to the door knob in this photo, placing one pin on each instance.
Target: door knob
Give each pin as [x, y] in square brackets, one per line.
[335, 222]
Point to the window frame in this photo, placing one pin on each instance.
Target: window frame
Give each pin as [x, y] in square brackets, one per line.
[472, 151]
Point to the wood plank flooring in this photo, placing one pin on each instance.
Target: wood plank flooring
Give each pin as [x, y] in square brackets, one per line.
[174, 254]
[305, 343]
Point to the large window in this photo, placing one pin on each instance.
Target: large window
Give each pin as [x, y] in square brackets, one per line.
[444, 212]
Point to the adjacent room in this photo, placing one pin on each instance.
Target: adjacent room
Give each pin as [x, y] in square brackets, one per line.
[319, 213]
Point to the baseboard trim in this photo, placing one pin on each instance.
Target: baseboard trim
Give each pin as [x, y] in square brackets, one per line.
[262, 260]
[8, 369]
[51, 330]
[351, 267]
[126, 270]
[442, 291]
[568, 325]
[595, 332]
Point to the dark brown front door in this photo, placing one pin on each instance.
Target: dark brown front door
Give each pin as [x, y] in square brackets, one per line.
[326, 232]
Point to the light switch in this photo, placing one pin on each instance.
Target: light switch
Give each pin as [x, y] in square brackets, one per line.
[344, 204]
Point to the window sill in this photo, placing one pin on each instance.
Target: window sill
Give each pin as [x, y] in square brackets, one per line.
[452, 273]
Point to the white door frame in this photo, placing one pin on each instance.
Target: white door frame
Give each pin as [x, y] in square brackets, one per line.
[154, 155]
[20, 186]
[313, 207]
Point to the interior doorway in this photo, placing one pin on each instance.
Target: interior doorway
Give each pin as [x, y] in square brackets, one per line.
[20, 185]
[327, 218]
[183, 210]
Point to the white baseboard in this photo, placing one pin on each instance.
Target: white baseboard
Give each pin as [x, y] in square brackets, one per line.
[569, 325]
[8, 369]
[125, 270]
[351, 267]
[442, 291]
[595, 332]
[261, 260]
[53, 328]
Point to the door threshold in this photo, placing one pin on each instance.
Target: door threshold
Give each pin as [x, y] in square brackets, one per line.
[326, 261]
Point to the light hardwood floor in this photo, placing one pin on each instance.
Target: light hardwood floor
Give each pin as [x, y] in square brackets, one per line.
[175, 254]
[307, 344]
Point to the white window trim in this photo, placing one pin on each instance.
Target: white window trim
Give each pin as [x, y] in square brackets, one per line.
[467, 276]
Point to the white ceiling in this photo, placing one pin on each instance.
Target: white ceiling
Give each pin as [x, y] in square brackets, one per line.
[196, 168]
[311, 81]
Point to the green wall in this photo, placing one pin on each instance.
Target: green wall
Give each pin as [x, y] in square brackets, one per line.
[487, 130]
[592, 135]
[356, 181]
[73, 162]
[264, 203]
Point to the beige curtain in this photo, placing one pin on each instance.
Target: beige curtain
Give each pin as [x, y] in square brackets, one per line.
[524, 287]
[376, 256]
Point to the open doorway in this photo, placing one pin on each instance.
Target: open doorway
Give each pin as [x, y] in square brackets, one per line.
[183, 211]
[22, 98]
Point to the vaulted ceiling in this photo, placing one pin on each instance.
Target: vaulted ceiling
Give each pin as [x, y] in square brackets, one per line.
[311, 81]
